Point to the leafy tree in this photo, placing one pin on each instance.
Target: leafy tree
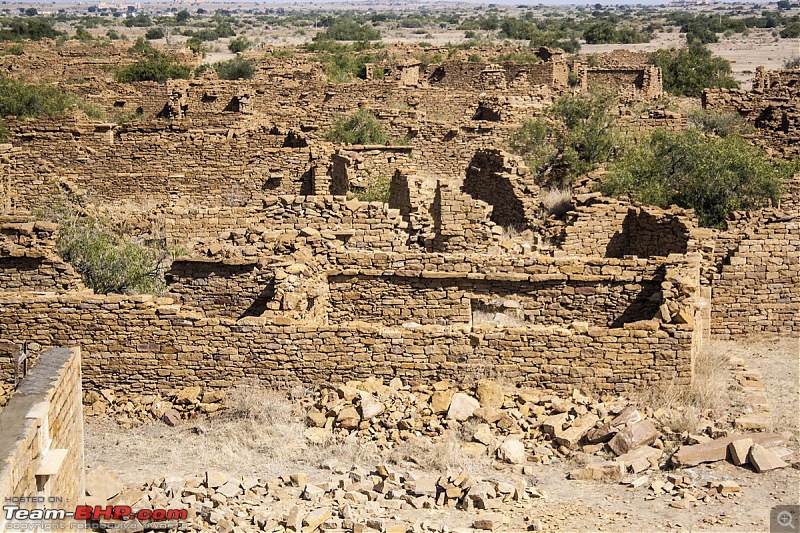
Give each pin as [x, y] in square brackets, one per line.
[239, 44]
[579, 135]
[690, 70]
[359, 128]
[182, 16]
[31, 12]
[714, 176]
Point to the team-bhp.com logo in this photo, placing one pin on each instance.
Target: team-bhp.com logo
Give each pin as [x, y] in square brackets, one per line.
[97, 512]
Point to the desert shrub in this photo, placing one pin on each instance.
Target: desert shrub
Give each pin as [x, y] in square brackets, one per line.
[13, 50]
[34, 28]
[153, 66]
[714, 176]
[239, 44]
[235, 69]
[579, 135]
[359, 128]
[195, 45]
[793, 62]
[347, 29]
[107, 261]
[722, 123]
[377, 190]
[113, 35]
[82, 34]
[23, 100]
[154, 33]
[557, 201]
[140, 21]
[607, 32]
[791, 31]
[530, 141]
[690, 70]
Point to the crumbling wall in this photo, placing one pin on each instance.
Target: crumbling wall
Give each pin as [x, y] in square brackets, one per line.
[757, 288]
[461, 222]
[504, 182]
[771, 107]
[41, 444]
[294, 220]
[28, 262]
[357, 166]
[611, 228]
[128, 165]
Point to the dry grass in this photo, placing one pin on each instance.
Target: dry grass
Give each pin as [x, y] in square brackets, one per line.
[709, 393]
[557, 201]
[445, 455]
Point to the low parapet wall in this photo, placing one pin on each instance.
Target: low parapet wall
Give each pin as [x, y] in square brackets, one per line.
[41, 442]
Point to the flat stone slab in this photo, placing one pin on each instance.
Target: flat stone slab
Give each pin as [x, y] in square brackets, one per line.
[717, 450]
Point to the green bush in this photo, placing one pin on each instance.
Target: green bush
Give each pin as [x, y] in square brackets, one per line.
[107, 261]
[19, 49]
[239, 44]
[714, 176]
[138, 21]
[791, 31]
[722, 123]
[22, 100]
[34, 29]
[359, 128]
[377, 190]
[347, 29]
[154, 66]
[154, 33]
[690, 70]
[235, 69]
[580, 136]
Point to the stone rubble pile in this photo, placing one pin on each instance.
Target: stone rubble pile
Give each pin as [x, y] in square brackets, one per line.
[349, 499]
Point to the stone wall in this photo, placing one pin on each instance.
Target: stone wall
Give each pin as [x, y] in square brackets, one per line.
[504, 182]
[612, 228]
[135, 344]
[28, 262]
[41, 443]
[771, 107]
[757, 289]
[601, 294]
[130, 165]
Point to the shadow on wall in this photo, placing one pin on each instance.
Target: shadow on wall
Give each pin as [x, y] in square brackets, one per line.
[646, 235]
[496, 189]
[646, 303]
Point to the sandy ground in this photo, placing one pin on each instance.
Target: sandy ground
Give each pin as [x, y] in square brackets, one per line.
[156, 450]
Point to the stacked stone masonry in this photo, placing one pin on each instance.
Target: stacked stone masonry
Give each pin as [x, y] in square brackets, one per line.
[41, 443]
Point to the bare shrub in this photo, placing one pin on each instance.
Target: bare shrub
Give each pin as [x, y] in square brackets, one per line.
[557, 201]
